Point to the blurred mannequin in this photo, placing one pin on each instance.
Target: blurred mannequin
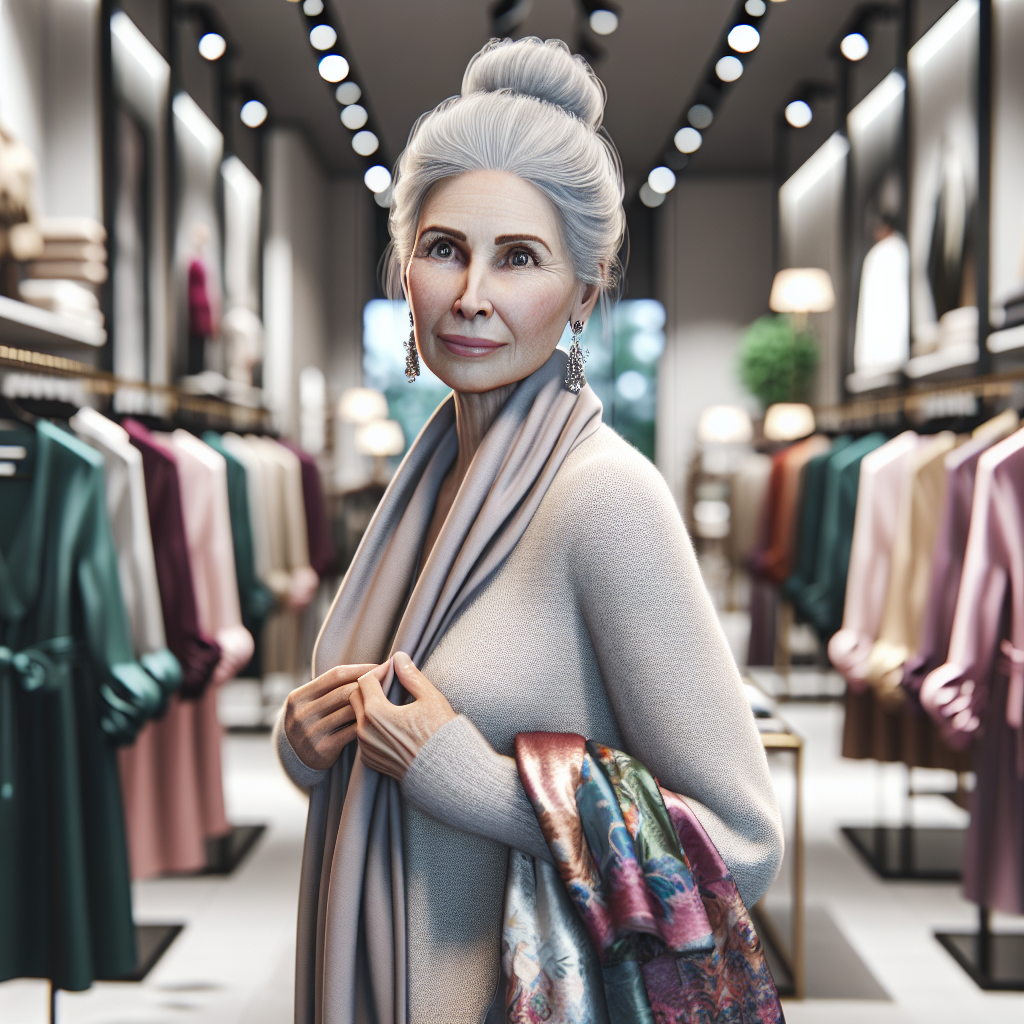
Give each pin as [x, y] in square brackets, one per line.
[200, 316]
[882, 340]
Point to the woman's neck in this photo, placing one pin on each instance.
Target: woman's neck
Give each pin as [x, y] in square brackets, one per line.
[474, 414]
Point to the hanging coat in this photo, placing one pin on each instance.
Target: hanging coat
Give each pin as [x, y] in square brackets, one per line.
[69, 689]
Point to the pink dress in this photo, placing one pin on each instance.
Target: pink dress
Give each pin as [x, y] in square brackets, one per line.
[979, 691]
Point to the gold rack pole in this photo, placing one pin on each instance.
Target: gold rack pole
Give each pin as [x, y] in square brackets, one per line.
[913, 402]
[102, 382]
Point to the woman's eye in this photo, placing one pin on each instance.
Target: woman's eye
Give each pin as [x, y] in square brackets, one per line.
[444, 250]
[520, 259]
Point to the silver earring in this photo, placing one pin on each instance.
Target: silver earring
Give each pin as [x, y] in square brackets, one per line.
[575, 378]
[412, 357]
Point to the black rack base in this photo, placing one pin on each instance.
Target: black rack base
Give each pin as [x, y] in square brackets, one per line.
[225, 853]
[906, 853]
[995, 961]
[151, 941]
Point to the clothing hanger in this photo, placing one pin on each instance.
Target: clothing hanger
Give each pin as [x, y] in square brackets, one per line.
[11, 455]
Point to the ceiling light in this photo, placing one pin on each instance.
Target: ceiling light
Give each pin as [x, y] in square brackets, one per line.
[662, 179]
[354, 116]
[755, 8]
[333, 68]
[323, 37]
[348, 92]
[380, 438]
[361, 405]
[253, 113]
[649, 197]
[799, 114]
[729, 69]
[377, 178]
[700, 115]
[788, 421]
[802, 290]
[688, 140]
[854, 46]
[604, 23]
[212, 46]
[365, 143]
[744, 38]
[313, 8]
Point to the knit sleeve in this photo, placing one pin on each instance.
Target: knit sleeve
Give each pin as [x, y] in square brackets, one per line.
[665, 662]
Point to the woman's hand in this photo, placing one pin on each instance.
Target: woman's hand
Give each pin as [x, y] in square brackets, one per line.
[391, 735]
[318, 717]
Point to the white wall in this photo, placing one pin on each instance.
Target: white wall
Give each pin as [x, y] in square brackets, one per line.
[714, 256]
[49, 98]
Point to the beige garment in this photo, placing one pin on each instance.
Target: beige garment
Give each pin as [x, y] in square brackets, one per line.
[748, 496]
[597, 623]
[882, 473]
[255, 487]
[917, 525]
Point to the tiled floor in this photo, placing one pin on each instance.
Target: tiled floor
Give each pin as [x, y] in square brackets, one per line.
[233, 961]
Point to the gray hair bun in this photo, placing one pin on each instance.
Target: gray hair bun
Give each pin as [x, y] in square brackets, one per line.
[545, 70]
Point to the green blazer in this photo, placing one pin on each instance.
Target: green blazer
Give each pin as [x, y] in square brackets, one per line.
[70, 689]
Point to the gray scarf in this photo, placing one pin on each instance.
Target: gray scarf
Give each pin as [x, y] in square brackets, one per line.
[351, 950]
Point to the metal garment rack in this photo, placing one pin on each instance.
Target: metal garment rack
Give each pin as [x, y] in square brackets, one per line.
[917, 404]
[173, 399]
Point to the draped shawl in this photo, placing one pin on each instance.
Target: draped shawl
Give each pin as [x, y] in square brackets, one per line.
[351, 948]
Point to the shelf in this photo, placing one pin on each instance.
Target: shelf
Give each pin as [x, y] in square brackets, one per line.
[32, 327]
[1006, 341]
[865, 380]
[945, 360]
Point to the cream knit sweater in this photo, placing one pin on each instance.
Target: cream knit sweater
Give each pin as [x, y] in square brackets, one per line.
[598, 623]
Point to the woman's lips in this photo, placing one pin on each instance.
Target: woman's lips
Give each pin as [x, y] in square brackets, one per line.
[474, 348]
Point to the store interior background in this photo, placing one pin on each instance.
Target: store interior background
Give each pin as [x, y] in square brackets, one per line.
[294, 235]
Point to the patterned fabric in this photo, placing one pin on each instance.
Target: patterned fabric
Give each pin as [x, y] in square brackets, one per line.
[673, 940]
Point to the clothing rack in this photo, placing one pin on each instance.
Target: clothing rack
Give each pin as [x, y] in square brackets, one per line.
[918, 404]
[173, 399]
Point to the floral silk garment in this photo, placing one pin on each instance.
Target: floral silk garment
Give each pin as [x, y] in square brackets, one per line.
[659, 934]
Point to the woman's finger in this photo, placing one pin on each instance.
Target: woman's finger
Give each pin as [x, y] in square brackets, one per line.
[370, 690]
[332, 700]
[411, 677]
[331, 679]
[337, 720]
[356, 703]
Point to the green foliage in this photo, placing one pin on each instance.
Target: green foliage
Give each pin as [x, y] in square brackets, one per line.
[777, 363]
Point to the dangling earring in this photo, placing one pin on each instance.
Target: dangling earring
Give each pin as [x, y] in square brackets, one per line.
[412, 357]
[575, 378]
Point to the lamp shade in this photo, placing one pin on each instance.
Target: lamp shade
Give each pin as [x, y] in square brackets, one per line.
[724, 424]
[802, 290]
[788, 421]
[380, 438]
[360, 405]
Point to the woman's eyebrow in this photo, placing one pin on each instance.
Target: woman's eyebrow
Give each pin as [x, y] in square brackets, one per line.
[506, 239]
[444, 231]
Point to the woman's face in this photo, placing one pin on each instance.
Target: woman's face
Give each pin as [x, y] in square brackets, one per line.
[490, 281]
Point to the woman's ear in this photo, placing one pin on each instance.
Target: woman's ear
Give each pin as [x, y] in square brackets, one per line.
[588, 300]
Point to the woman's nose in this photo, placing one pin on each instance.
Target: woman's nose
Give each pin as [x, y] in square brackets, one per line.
[473, 301]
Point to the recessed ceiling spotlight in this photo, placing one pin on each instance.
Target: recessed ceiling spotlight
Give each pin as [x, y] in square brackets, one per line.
[323, 37]
[604, 23]
[377, 178]
[354, 116]
[365, 143]
[649, 197]
[700, 115]
[799, 114]
[729, 69]
[212, 46]
[744, 38]
[312, 8]
[688, 140]
[662, 179]
[348, 92]
[333, 68]
[253, 114]
[755, 8]
[854, 46]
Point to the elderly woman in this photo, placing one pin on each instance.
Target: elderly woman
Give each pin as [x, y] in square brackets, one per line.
[527, 571]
